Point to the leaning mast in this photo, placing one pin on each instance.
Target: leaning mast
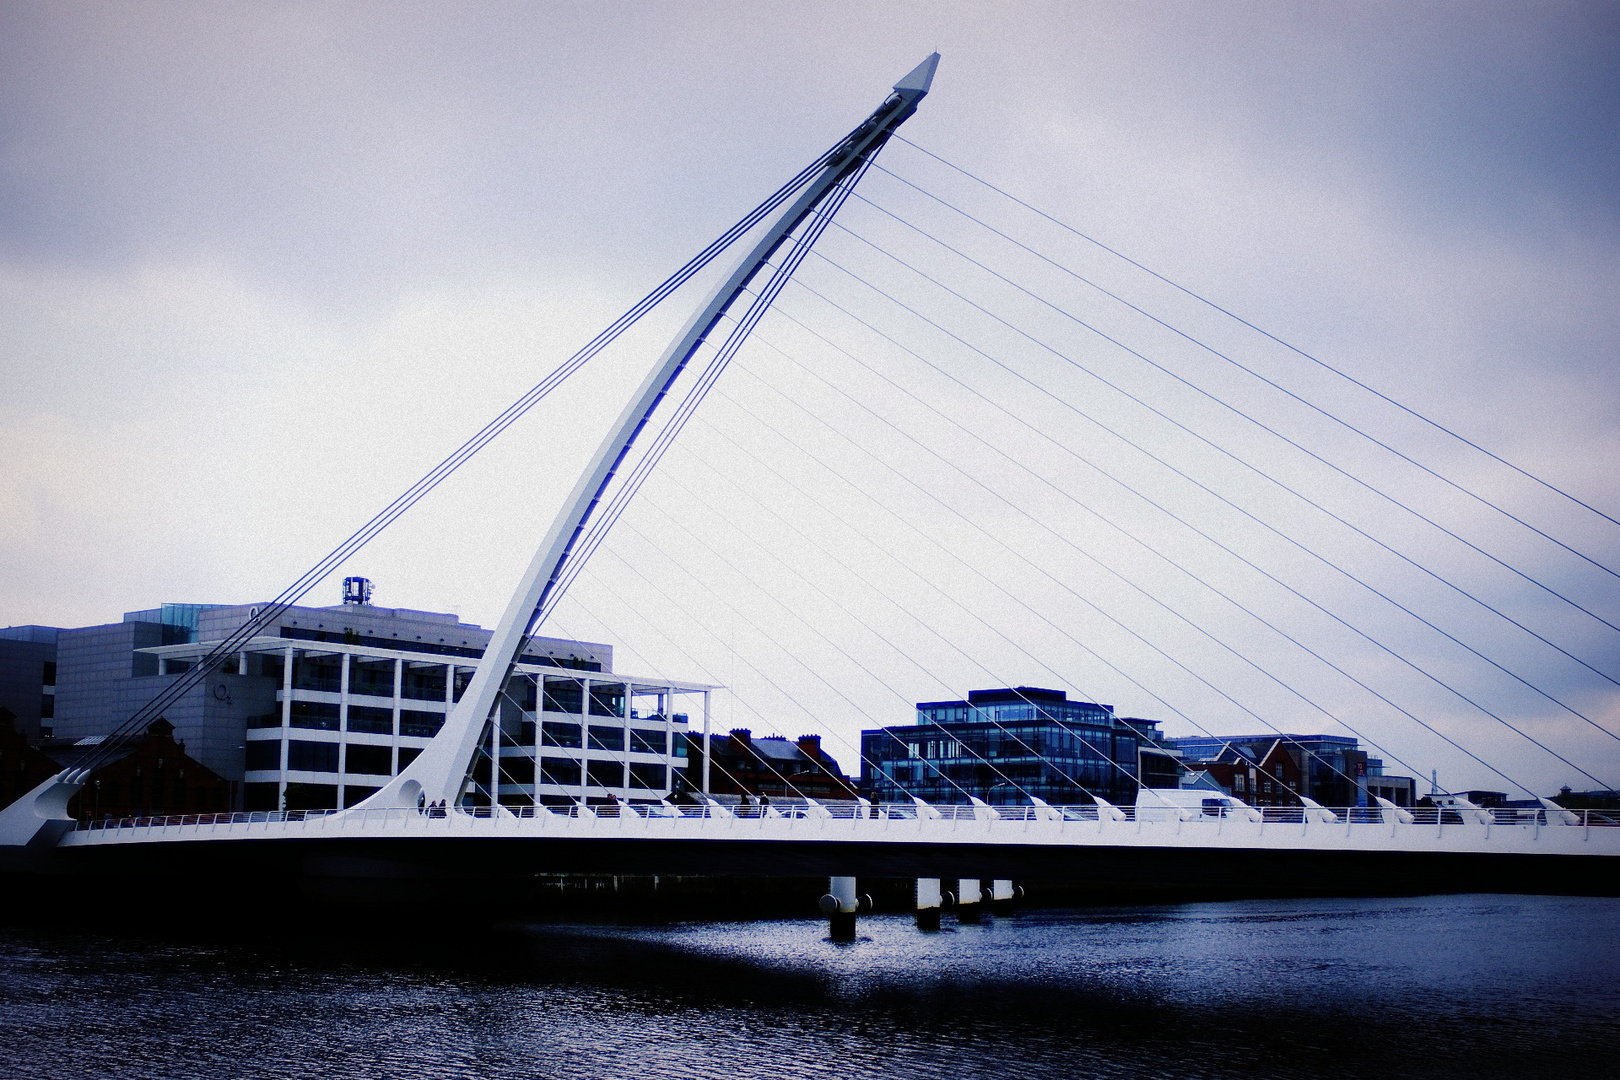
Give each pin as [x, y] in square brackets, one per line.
[439, 773]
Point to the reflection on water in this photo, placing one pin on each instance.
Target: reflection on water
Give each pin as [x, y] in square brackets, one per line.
[1474, 986]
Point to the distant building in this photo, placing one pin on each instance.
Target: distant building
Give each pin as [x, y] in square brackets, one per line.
[329, 702]
[23, 766]
[28, 678]
[1587, 800]
[769, 765]
[1488, 800]
[143, 775]
[1275, 770]
[1008, 744]
[1158, 758]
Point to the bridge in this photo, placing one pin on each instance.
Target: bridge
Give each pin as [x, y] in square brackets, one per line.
[428, 824]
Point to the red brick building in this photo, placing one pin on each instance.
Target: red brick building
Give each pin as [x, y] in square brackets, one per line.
[23, 766]
[769, 765]
[1271, 778]
[145, 775]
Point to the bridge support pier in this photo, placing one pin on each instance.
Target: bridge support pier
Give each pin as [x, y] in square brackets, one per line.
[969, 900]
[1002, 895]
[928, 903]
[840, 905]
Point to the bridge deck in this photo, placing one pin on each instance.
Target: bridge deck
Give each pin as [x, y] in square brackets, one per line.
[1521, 832]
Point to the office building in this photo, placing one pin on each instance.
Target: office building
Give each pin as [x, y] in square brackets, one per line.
[1274, 770]
[328, 702]
[1005, 745]
[28, 678]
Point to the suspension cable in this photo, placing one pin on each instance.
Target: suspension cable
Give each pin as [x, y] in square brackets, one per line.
[1265, 333]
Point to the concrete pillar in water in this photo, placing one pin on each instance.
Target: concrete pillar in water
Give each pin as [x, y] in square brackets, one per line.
[968, 900]
[1002, 895]
[928, 903]
[840, 905]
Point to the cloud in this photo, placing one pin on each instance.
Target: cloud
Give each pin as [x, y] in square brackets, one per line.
[261, 266]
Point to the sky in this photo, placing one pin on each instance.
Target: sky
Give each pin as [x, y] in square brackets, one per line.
[262, 266]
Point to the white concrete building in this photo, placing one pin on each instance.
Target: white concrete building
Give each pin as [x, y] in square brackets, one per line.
[323, 708]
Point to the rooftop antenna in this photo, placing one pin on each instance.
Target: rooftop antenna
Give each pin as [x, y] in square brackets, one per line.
[356, 590]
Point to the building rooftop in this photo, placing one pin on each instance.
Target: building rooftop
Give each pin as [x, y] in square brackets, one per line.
[40, 635]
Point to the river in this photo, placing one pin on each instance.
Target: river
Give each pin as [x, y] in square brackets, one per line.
[1434, 987]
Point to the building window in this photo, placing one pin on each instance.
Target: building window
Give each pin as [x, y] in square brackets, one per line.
[322, 673]
[311, 757]
[371, 721]
[263, 754]
[606, 738]
[371, 760]
[423, 682]
[319, 715]
[517, 770]
[312, 796]
[420, 725]
[553, 733]
[563, 772]
[607, 699]
[564, 695]
[372, 678]
[47, 706]
[647, 776]
[49, 678]
[609, 774]
[407, 754]
[463, 680]
[647, 742]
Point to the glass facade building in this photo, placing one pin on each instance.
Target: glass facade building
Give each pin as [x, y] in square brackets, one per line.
[1004, 746]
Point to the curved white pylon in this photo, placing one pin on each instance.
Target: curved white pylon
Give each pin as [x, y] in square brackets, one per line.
[439, 772]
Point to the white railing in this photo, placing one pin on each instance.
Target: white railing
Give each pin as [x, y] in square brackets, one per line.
[1354, 815]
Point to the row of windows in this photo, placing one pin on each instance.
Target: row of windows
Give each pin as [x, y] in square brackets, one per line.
[599, 736]
[1050, 744]
[1073, 713]
[327, 716]
[1009, 795]
[427, 683]
[322, 757]
[1089, 772]
[366, 719]
[302, 756]
[567, 772]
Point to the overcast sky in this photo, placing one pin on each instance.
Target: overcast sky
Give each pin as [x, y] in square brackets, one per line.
[262, 265]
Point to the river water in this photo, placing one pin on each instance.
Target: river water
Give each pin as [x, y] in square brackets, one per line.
[1435, 987]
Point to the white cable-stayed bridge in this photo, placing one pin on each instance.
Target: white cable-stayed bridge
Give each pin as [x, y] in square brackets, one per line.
[950, 446]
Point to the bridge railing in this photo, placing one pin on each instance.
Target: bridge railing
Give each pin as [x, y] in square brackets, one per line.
[1297, 815]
